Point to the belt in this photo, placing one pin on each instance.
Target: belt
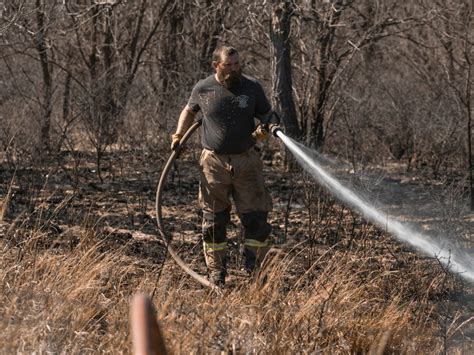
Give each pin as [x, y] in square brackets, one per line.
[231, 154]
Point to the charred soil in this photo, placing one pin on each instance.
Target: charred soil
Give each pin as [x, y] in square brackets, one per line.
[76, 248]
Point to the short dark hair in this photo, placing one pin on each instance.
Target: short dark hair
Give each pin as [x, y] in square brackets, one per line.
[223, 51]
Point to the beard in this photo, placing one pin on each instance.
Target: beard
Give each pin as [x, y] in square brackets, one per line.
[231, 80]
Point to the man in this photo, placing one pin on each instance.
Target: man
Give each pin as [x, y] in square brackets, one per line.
[229, 165]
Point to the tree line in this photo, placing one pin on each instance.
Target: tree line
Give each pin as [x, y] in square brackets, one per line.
[366, 80]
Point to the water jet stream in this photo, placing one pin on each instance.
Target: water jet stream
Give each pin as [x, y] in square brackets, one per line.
[452, 259]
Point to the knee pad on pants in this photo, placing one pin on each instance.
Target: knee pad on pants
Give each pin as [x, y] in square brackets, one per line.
[214, 226]
[256, 226]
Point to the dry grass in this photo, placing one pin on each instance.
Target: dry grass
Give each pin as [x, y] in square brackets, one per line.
[76, 300]
[338, 285]
[5, 202]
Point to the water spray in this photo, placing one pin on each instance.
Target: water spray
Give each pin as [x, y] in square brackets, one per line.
[461, 264]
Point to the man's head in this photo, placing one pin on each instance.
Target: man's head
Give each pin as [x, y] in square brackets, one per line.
[225, 61]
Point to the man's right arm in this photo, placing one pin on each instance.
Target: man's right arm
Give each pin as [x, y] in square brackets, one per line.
[185, 121]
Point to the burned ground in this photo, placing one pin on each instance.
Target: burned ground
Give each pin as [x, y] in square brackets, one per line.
[75, 248]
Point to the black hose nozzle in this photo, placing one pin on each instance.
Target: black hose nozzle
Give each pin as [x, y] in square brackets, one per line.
[274, 129]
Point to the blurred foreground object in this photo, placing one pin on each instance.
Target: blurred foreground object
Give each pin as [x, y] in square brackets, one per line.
[146, 334]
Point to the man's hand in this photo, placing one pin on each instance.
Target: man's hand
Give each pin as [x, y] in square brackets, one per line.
[261, 133]
[175, 140]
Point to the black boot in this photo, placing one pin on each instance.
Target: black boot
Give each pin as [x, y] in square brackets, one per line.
[250, 261]
[218, 278]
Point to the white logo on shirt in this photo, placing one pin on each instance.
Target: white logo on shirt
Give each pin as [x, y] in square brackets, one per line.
[242, 101]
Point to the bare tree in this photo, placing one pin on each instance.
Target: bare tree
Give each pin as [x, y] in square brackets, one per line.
[330, 38]
[111, 56]
[282, 84]
[217, 11]
[340, 72]
[40, 40]
[453, 29]
[32, 22]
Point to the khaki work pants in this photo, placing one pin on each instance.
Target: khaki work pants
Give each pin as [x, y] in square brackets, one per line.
[238, 176]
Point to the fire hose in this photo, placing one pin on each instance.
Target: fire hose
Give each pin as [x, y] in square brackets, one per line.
[159, 215]
[166, 238]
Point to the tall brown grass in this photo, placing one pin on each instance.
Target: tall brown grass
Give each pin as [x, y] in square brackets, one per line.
[337, 285]
[73, 297]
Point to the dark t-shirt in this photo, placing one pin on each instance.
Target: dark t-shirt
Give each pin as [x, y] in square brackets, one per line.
[228, 120]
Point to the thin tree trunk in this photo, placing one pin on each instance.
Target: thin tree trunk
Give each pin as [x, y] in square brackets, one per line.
[469, 149]
[42, 49]
[469, 132]
[210, 36]
[109, 106]
[282, 95]
[316, 135]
